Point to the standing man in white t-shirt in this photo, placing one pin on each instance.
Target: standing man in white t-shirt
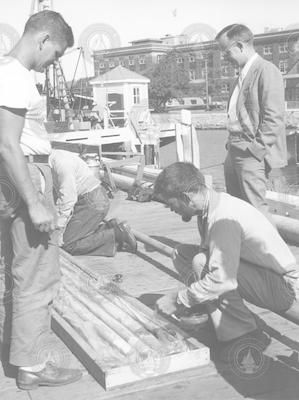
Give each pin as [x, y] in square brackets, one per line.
[26, 197]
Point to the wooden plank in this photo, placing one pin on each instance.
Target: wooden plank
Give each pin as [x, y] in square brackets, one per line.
[195, 148]
[158, 387]
[14, 394]
[179, 142]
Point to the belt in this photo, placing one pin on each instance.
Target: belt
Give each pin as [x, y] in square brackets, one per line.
[37, 158]
[233, 136]
[86, 194]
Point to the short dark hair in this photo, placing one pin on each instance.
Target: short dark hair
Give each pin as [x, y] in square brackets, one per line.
[236, 32]
[54, 23]
[177, 179]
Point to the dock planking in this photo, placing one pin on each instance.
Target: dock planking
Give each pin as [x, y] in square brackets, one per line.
[148, 275]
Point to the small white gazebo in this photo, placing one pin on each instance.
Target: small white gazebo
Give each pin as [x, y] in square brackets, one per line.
[123, 91]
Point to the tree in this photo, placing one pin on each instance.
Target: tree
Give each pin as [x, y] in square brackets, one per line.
[169, 80]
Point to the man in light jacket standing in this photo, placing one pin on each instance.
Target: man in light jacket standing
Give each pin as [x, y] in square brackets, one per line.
[257, 139]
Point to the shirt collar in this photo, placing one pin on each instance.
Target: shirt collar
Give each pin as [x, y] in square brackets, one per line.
[247, 66]
[211, 202]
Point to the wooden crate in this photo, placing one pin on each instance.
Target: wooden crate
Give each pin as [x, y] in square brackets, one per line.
[173, 350]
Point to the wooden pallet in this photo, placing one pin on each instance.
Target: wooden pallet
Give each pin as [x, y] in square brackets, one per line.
[119, 340]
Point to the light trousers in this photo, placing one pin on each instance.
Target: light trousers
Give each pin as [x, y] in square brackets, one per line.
[35, 276]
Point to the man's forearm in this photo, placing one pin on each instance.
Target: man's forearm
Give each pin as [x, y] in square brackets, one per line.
[206, 289]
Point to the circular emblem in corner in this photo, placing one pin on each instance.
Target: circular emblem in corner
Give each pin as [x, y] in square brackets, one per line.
[98, 37]
[247, 360]
[8, 38]
[199, 32]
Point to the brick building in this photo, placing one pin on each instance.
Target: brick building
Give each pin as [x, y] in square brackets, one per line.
[280, 47]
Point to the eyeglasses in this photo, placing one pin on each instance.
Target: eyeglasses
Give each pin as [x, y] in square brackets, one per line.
[226, 51]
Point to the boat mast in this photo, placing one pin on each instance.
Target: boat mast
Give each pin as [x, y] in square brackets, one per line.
[62, 92]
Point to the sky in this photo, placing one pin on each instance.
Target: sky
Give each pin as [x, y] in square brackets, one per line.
[139, 19]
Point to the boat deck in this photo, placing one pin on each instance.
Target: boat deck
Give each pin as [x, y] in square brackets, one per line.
[147, 275]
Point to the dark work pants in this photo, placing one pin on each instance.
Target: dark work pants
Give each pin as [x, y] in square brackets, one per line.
[246, 177]
[256, 284]
[85, 232]
[35, 277]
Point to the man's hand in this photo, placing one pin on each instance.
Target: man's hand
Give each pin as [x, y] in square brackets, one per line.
[167, 304]
[41, 217]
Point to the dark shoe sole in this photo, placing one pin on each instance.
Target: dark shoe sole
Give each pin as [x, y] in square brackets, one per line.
[125, 230]
[131, 241]
[33, 386]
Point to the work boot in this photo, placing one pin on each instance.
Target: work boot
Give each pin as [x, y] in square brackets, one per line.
[123, 234]
[50, 375]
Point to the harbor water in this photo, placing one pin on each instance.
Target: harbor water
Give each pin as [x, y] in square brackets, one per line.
[213, 153]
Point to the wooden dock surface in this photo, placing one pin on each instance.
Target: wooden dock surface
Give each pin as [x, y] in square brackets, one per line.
[147, 276]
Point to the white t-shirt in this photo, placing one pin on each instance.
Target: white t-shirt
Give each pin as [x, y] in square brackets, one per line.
[18, 90]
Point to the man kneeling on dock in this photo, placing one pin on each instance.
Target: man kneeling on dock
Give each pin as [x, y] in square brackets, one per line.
[241, 256]
[82, 205]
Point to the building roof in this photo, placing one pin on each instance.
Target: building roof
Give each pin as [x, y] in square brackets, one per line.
[160, 45]
[142, 41]
[119, 74]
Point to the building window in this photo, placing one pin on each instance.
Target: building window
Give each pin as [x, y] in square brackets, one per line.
[102, 65]
[191, 59]
[131, 62]
[283, 66]
[159, 57]
[141, 60]
[136, 95]
[111, 64]
[224, 70]
[267, 50]
[180, 60]
[193, 102]
[192, 75]
[122, 63]
[225, 88]
[283, 48]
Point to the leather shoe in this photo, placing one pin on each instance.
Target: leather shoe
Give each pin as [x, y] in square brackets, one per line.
[50, 375]
[123, 234]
